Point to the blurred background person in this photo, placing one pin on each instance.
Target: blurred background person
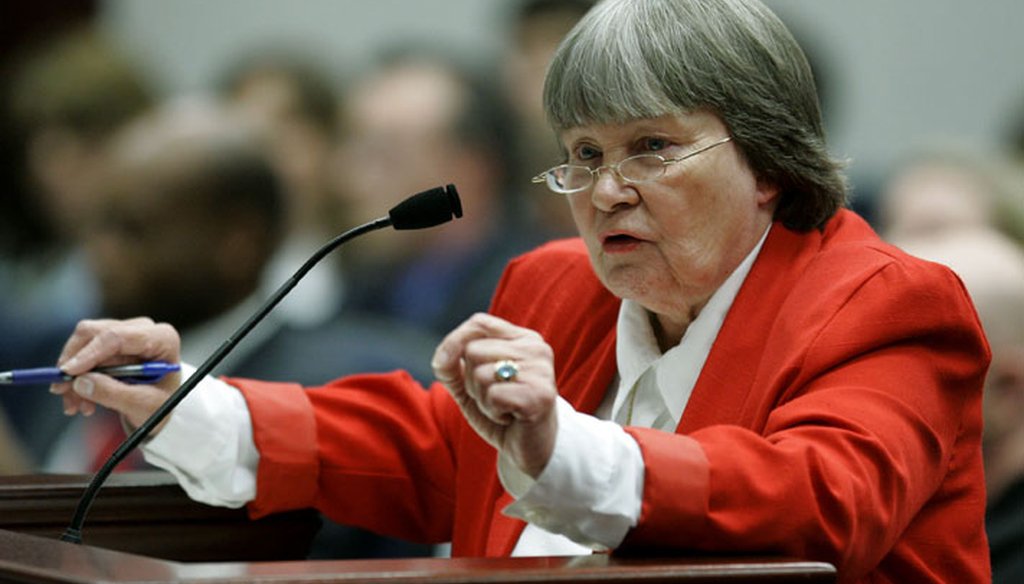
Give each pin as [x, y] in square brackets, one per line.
[185, 224]
[181, 224]
[293, 99]
[991, 266]
[535, 28]
[943, 188]
[185, 221]
[68, 97]
[415, 120]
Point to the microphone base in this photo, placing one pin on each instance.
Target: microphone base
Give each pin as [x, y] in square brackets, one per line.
[72, 535]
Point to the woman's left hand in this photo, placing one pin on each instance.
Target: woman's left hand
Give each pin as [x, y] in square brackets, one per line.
[515, 414]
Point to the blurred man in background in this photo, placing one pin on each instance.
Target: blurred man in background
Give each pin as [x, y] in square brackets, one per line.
[293, 99]
[68, 97]
[418, 119]
[944, 188]
[536, 27]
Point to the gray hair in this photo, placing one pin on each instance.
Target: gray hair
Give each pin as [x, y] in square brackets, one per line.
[635, 59]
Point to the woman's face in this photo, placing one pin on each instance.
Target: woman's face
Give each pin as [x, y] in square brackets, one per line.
[669, 243]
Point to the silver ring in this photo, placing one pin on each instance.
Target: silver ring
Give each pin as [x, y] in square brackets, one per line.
[505, 371]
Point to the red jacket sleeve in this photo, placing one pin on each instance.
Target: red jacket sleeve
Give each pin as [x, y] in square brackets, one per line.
[372, 450]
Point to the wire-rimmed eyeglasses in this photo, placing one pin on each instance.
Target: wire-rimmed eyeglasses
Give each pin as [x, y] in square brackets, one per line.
[567, 179]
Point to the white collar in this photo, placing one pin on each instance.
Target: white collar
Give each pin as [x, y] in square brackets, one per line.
[676, 371]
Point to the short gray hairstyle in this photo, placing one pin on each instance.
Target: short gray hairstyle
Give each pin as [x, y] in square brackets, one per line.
[635, 59]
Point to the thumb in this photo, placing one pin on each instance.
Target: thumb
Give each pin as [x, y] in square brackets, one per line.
[446, 364]
[450, 375]
[135, 402]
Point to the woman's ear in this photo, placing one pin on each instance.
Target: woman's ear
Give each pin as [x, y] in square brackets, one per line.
[767, 191]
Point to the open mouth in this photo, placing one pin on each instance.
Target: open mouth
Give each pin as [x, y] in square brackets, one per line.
[620, 238]
[620, 242]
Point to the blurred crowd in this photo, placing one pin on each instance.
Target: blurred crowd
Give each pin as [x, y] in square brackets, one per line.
[121, 201]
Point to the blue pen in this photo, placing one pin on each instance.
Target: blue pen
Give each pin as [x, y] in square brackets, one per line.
[135, 373]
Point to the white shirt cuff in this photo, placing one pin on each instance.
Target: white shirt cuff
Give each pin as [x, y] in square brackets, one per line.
[592, 488]
[207, 444]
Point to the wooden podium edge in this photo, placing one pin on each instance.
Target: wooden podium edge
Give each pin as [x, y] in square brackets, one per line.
[32, 559]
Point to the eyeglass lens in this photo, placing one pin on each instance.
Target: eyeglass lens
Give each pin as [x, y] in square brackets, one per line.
[640, 168]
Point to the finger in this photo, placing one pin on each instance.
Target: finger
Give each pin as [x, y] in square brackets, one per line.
[71, 402]
[466, 393]
[85, 332]
[79, 338]
[488, 409]
[74, 404]
[87, 408]
[529, 346]
[532, 358]
[447, 359]
[521, 402]
[470, 393]
[506, 401]
[136, 402]
[480, 325]
[480, 421]
[97, 343]
[479, 383]
[486, 373]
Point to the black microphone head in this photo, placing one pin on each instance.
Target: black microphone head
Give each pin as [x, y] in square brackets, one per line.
[427, 209]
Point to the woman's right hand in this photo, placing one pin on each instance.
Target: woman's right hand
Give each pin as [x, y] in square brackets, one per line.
[98, 343]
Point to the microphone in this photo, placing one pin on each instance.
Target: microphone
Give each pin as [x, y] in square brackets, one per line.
[425, 209]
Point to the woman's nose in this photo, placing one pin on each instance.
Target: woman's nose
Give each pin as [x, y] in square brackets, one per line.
[610, 190]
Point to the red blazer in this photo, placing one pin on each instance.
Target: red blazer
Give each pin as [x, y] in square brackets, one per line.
[838, 418]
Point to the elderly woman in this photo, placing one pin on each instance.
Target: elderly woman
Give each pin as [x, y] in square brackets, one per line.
[741, 365]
